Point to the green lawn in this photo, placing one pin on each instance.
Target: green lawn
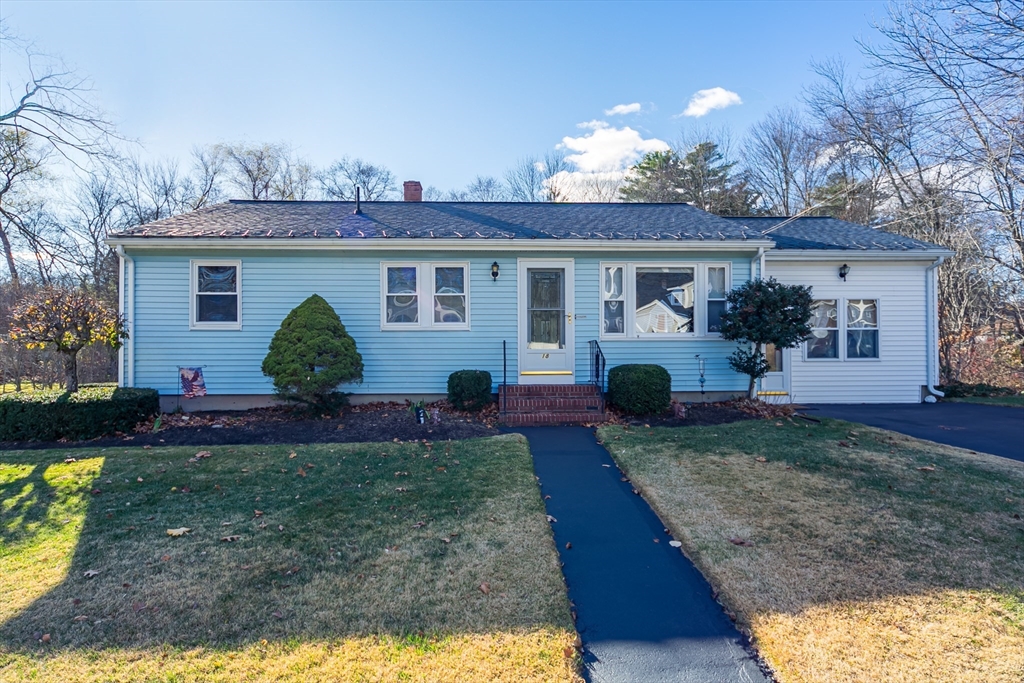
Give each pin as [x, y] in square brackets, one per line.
[1015, 401]
[849, 553]
[395, 561]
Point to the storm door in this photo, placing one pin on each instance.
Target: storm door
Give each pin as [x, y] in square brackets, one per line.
[546, 322]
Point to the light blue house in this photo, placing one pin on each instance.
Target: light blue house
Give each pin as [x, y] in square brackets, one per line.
[527, 292]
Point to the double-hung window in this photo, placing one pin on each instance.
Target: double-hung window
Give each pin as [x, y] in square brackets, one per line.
[215, 295]
[425, 296]
[851, 336]
[861, 329]
[716, 291]
[660, 300]
[824, 340]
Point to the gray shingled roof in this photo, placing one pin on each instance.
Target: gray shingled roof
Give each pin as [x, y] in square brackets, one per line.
[823, 232]
[472, 220]
[510, 220]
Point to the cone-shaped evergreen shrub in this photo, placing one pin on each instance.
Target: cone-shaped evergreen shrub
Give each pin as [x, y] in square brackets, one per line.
[312, 354]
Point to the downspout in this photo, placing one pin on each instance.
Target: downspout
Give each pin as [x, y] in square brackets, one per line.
[128, 311]
[931, 288]
[759, 260]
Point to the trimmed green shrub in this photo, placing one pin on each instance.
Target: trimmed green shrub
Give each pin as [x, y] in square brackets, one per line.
[311, 354]
[469, 389]
[765, 312]
[86, 414]
[640, 389]
[962, 390]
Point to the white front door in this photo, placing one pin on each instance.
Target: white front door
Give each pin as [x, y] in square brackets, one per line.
[775, 385]
[546, 304]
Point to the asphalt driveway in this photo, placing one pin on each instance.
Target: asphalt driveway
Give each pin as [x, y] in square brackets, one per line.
[989, 429]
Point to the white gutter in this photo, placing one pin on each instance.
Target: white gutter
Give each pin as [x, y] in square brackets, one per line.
[442, 243]
[840, 255]
[127, 294]
[931, 314]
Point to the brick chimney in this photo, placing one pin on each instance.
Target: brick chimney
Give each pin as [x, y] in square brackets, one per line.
[413, 191]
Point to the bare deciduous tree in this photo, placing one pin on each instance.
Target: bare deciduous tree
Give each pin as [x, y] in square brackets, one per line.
[783, 161]
[963, 62]
[340, 180]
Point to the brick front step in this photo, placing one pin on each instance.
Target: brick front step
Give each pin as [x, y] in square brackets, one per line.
[564, 390]
[538, 404]
[537, 419]
[541, 404]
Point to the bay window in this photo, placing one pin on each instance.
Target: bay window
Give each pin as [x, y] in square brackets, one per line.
[662, 300]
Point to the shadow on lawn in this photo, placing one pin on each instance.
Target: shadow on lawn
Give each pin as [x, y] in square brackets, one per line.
[322, 541]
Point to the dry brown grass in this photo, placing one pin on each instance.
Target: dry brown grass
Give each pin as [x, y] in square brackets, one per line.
[366, 565]
[859, 564]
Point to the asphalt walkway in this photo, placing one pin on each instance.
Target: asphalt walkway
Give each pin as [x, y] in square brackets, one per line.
[998, 430]
[644, 612]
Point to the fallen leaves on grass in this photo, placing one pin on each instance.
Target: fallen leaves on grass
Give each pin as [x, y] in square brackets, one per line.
[230, 539]
[201, 455]
[180, 531]
[741, 541]
[485, 588]
[89, 573]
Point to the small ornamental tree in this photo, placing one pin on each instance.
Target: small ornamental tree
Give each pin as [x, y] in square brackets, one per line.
[66, 320]
[311, 354]
[765, 312]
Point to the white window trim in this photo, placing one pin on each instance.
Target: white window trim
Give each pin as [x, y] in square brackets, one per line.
[424, 295]
[193, 291]
[877, 328]
[838, 331]
[841, 330]
[700, 269]
[703, 287]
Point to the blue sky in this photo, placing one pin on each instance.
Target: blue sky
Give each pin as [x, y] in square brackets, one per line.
[439, 92]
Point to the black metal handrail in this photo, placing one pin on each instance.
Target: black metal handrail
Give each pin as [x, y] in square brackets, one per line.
[504, 375]
[597, 365]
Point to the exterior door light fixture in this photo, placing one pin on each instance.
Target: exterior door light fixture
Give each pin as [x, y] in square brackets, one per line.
[494, 271]
[844, 270]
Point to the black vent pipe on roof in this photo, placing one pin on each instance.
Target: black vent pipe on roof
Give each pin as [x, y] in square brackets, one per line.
[358, 210]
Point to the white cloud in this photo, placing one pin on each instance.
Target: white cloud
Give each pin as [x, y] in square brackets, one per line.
[704, 101]
[577, 186]
[621, 109]
[608, 149]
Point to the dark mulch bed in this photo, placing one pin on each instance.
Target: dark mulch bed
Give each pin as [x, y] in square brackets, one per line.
[369, 423]
[377, 422]
[701, 414]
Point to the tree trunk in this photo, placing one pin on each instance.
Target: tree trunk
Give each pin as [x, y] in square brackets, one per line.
[71, 371]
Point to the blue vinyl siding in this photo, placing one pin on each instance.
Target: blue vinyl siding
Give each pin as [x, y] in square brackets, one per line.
[396, 362]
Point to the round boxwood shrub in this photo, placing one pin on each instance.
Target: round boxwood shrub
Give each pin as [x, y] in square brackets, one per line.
[469, 389]
[640, 389]
[311, 354]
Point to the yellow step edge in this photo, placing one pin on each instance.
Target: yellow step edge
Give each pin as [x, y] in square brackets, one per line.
[773, 393]
[546, 372]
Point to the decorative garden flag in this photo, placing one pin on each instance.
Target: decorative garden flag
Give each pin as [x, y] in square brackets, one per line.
[192, 382]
